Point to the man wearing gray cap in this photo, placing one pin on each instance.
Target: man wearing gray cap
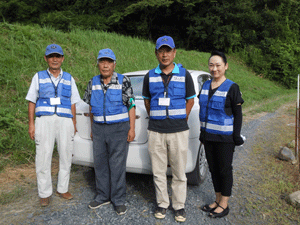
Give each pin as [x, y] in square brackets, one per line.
[168, 93]
[112, 111]
[52, 96]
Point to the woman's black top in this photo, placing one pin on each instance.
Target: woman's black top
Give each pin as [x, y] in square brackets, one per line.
[234, 97]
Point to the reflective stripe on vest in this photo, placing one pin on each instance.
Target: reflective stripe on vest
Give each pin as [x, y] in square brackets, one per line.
[111, 118]
[45, 109]
[213, 117]
[47, 91]
[211, 126]
[172, 112]
[108, 108]
[175, 91]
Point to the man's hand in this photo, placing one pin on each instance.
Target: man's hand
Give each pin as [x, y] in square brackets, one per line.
[131, 135]
[31, 131]
[75, 129]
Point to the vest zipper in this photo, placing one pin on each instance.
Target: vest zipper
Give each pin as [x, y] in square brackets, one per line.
[167, 107]
[55, 97]
[104, 101]
[104, 117]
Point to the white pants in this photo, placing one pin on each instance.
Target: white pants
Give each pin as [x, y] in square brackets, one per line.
[48, 130]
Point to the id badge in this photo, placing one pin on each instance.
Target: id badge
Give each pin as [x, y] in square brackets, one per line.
[55, 101]
[164, 101]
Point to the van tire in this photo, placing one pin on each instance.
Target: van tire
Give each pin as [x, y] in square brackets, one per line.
[198, 175]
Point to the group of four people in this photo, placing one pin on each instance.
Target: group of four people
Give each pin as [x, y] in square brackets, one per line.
[168, 93]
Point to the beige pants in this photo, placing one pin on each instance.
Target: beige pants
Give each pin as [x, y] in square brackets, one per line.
[169, 148]
[48, 130]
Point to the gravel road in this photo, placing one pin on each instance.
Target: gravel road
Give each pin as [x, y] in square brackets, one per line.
[140, 200]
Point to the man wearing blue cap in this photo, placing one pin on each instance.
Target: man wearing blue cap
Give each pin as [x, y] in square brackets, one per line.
[52, 96]
[112, 111]
[168, 93]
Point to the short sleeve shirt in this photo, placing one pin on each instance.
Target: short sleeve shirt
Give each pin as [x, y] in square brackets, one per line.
[169, 125]
[33, 92]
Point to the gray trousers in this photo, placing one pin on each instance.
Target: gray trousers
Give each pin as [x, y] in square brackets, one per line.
[110, 149]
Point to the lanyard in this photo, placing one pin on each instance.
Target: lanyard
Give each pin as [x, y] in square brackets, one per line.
[166, 84]
[55, 87]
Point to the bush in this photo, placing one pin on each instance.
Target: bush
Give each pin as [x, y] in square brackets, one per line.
[59, 20]
[275, 60]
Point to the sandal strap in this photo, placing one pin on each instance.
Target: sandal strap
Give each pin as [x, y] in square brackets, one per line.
[221, 207]
[217, 203]
[214, 213]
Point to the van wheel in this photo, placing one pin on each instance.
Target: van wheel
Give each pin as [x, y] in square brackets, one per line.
[197, 176]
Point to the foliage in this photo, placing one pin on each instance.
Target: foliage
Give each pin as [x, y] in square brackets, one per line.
[22, 56]
[269, 28]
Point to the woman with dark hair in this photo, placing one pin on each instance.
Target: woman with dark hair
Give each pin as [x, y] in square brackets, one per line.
[221, 121]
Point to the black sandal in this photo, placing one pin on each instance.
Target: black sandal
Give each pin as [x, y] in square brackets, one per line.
[206, 208]
[225, 212]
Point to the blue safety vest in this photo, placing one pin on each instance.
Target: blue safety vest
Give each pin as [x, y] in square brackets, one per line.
[213, 117]
[48, 90]
[175, 91]
[108, 108]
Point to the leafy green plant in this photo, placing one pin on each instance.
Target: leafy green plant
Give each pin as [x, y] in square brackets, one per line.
[22, 56]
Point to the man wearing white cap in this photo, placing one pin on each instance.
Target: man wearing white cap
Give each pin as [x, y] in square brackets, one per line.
[168, 93]
[112, 111]
[51, 98]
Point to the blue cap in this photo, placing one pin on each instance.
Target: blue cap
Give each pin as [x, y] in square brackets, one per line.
[54, 48]
[106, 53]
[165, 40]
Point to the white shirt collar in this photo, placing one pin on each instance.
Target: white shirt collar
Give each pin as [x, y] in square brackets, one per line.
[59, 75]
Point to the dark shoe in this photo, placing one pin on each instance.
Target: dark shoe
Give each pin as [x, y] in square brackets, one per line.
[120, 209]
[94, 204]
[66, 195]
[180, 215]
[160, 213]
[206, 208]
[225, 212]
[45, 201]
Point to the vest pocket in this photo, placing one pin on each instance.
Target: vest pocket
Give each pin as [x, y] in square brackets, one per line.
[66, 90]
[217, 104]
[112, 110]
[114, 97]
[178, 102]
[179, 89]
[95, 110]
[65, 102]
[213, 117]
[46, 93]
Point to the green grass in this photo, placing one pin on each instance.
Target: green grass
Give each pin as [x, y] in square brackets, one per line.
[274, 179]
[21, 56]
[10, 196]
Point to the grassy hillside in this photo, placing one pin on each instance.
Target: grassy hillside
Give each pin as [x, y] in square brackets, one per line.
[21, 56]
